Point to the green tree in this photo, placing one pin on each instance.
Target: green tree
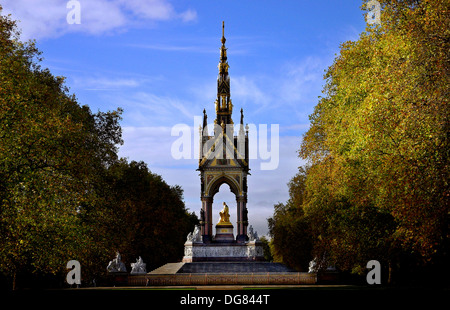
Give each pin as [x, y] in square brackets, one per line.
[52, 156]
[290, 230]
[151, 220]
[377, 186]
[379, 141]
[64, 193]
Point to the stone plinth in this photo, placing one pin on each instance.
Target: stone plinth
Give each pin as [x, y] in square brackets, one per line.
[117, 278]
[201, 252]
[224, 233]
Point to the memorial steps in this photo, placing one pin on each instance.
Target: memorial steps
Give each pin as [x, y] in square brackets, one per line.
[234, 267]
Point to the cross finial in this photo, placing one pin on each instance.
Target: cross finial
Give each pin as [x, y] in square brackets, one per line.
[223, 32]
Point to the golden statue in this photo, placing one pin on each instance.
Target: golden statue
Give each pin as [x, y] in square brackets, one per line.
[224, 215]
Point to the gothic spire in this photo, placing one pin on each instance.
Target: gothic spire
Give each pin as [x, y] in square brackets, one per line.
[224, 107]
[205, 120]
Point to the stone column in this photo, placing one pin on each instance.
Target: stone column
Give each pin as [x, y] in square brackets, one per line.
[207, 228]
[241, 219]
[238, 218]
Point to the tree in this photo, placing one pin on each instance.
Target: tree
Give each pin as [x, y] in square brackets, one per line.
[64, 193]
[381, 136]
[377, 186]
[151, 220]
[52, 156]
[290, 230]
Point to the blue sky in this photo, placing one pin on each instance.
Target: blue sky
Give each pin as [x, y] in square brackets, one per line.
[157, 59]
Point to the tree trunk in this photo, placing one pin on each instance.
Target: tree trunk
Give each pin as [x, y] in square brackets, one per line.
[389, 281]
[14, 281]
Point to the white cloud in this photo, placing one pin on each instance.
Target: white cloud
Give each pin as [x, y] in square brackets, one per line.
[303, 80]
[98, 17]
[188, 15]
[150, 144]
[245, 89]
[149, 9]
[104, 83]
[47, 18]
[36, 17]
[145, 108]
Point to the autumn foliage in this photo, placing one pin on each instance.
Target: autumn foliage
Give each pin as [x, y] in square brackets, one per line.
[64, 193]
[377, 181]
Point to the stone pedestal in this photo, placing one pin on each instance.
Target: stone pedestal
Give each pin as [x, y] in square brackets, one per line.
[201, 252]
[117, 278]
[224, 233]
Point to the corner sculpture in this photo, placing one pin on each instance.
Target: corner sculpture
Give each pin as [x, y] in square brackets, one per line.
[195, 235]
[116, 265]
[139, 267]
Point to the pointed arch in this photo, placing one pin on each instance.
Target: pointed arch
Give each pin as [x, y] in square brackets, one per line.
[214, 185]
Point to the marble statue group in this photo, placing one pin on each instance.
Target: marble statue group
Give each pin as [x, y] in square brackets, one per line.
[116, 265]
